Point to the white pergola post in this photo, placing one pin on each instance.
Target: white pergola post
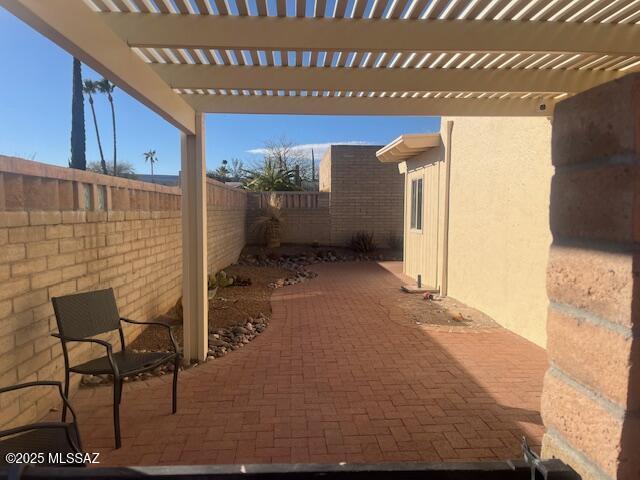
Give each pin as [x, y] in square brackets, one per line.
[194, 243]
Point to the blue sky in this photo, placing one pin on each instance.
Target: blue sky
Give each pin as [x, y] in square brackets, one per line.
[35, 115]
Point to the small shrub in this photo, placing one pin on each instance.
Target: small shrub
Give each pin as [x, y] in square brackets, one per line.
[211, 282]
[269, 223]
[220, 279]
[362, 242]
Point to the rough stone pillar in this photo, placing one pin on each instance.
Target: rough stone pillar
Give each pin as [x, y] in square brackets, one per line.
[591, 395]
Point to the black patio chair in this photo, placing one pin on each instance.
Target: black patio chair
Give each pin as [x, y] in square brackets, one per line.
[53, 440]
[85, 315]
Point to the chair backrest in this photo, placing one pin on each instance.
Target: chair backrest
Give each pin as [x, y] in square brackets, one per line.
[87, 314]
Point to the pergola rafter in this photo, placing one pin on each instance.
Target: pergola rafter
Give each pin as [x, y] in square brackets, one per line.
[371, 56]
[397, 35]
[203, 76]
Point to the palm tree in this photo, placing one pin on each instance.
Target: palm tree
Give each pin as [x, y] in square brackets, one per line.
[106, 87]
[78, 137]
[90, 89]
[150, 157]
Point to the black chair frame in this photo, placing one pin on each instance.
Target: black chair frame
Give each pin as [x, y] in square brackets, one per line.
[113, 369]
[71, 430]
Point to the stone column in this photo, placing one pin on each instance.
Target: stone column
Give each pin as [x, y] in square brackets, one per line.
[591, 396]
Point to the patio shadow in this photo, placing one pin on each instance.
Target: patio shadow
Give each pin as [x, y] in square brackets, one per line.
[334, 379]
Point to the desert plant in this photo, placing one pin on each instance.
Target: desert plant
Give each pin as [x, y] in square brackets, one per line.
[270, 178]
[220, 279]
[362, 242]
[269, 223]
[211, 282]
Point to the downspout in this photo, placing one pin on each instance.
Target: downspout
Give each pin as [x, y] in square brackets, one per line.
[447, 191]
[402, 168]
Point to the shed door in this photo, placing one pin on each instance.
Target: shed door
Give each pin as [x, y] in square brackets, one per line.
[422, 224]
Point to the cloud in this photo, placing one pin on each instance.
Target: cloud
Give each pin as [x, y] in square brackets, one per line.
[318, 148]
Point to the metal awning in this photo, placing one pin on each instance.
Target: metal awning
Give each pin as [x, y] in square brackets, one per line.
[407, 146]
[377, 57]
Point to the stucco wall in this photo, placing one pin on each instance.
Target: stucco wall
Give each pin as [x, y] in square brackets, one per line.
[499, 232]
[499, 219]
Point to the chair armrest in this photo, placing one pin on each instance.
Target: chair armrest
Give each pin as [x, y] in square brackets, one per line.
[104, 343]
[41, 383]
[174, 344]
[47, 383]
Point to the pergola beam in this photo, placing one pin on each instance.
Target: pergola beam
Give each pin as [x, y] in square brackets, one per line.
[74, 27]
[380, 79]
[292, 33]
[368, 106]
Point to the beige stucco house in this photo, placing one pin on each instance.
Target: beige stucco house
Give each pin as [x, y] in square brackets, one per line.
[476, 221]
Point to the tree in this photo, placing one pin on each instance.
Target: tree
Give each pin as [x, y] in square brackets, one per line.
[284, 154]
[123, 169]
[237, 169]
[78, 135]
[270, 178]
[150, 157]
[106, 87]
[90, 89]
[221, 173]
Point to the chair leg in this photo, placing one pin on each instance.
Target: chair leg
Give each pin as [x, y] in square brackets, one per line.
[176, 368]
[120, 389]
[66, 394]
[117, 395]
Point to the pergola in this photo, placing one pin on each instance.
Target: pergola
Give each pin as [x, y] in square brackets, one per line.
[184, 58]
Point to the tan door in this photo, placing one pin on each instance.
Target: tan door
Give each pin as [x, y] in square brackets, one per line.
[422, 222]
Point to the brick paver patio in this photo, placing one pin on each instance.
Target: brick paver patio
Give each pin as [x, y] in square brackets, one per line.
[339, 375]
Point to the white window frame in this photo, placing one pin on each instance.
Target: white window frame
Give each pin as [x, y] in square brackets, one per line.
[416, 210]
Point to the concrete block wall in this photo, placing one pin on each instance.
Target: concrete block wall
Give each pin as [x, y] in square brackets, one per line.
[366, 194]
[591, 395]
[226, 224]
[63, 231]
[306, 217]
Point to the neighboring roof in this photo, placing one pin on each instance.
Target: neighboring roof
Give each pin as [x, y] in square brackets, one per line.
[382, 57]
[407, 146]
[159, 179]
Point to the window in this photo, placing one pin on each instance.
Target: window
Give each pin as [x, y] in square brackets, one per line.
[416, 204]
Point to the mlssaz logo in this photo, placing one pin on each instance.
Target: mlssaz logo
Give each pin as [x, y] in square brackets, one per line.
[73, 458]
